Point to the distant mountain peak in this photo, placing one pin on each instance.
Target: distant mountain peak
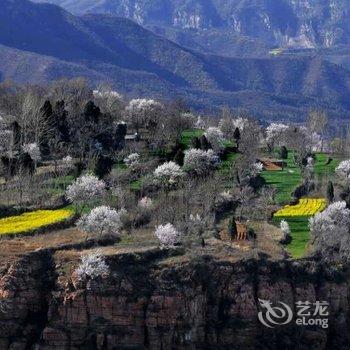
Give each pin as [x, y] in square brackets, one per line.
[40, 43]
[290, 23]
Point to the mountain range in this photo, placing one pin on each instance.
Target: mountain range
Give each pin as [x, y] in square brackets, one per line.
[42, 42]
[293, 23]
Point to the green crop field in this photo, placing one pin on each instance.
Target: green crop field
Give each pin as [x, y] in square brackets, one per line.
[285, 181]
[325, 167]
[188, 135]
[300, 233]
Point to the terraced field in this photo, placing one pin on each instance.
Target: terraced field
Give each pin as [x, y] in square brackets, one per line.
[305, 207]
[297, 216]
[285, 181]
[32, 221]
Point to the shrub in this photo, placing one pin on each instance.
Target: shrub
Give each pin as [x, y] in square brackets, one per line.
[102, 221]
[146, 203]
[33, 150]
[167, 235]
[330, 229]
[286, 237]
[92, 266]
[132, 160]
[330, 192]
[200, 123]
[85, 188]
[215, 137]
[343, 169]
[168, 173]
[200, 162]
[103, 166]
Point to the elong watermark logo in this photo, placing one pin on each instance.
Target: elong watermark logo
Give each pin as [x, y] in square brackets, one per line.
[307, 313]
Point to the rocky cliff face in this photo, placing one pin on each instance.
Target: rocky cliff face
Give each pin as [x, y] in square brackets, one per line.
[293, 23]
[165, 305]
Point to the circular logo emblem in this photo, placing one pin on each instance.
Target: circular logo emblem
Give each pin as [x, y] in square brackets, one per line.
[272, 316]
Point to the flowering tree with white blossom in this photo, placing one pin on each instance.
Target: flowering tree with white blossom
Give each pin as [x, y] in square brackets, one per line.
[108, 100]
[92, 266]
[200, 162]
[343, 169]
[102, 221]
[33, 150]
[331, 231]
[286, 232]
[167, 235]
[200, 123]
[132, 160]
[168, 174]
[276, 134]
[216, 138]
[146, 203]
[141, 112]
[86, 189]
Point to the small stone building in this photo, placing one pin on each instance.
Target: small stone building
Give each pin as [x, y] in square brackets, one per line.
[242, 232]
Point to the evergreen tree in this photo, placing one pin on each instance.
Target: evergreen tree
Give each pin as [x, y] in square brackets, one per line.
[330, 192]
[103, 166]
[204, 143]
[237, 135]
[195, 143]
[60, 121]
[179, 157]
[283, 152]
[120, 134]
[232, 229]
[92, 113]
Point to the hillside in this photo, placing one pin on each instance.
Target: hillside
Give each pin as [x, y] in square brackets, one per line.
[43, 42]
[294, 23]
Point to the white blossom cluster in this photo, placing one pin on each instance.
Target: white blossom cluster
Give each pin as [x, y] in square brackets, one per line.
[317, 143]
[132, 159]
[195, 219]
[216, 138]
[33, 150]
[85, 188]
[233, 124]
[168, 173]
[146, 203]
[101, 221]
[200, 123]
[67, 162]
[275, 132]
[343, 169]
[331, 227]
[107, 94]
[142, 106]
[167, 235]
[240, 123]
[191, 118]
[199, 161]
[92, 266]
[285, 229]
[257, 168]
[5, 136]
[310, 163]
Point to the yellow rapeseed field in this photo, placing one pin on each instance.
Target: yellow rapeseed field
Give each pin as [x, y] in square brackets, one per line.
[305, 207]
[33, 220]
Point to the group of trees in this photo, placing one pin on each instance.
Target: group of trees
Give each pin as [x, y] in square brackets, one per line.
[82, 133]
